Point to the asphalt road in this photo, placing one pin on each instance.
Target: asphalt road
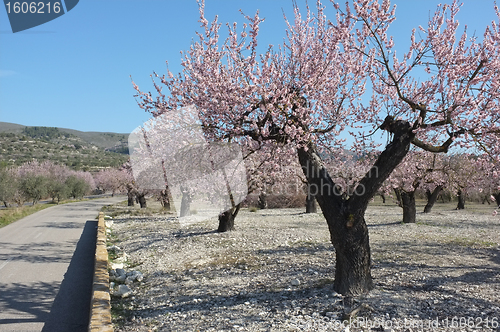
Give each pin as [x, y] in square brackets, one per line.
[46, 268]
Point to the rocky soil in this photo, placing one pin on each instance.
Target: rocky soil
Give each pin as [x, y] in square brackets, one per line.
[275, 273]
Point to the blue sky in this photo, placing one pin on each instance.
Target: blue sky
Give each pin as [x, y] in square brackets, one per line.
[74, 72]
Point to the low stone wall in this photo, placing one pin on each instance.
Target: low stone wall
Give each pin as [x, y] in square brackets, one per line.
[100, 311]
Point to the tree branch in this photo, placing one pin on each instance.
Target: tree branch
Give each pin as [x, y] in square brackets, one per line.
[443, 148]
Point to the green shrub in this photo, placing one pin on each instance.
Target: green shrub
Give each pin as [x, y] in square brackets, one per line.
[33, 187]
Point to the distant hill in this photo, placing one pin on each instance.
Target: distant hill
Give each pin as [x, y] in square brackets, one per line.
[108, 141]
[77, 149]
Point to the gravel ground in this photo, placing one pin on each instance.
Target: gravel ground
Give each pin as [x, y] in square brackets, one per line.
[275, 273]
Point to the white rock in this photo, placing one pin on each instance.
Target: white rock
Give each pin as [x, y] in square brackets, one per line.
[123, 291]
[116, 266]
[295, 282]
[121, 259]
[136, 275]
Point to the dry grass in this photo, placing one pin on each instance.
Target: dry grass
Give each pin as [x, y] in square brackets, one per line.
[11, 214]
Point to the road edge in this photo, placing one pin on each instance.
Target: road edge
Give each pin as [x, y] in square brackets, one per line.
[100, 305]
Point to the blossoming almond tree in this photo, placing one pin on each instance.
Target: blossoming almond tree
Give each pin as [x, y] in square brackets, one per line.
[419, 170]
[488, 184]
[436, 180]
[464, 174]
[306, 91]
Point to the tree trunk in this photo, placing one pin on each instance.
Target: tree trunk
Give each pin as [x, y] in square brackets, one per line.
[310, 201]
[262, 202]
[142, 200]
[226, 219]
[186, 200]
[432, 198]
[409, 209]
[345, 217]
[353, 258]
[130, 197]
[383, 198]
[311, 205]
[497, 199]
[397, 192]
[461, 200]
[485, 199]
[165, 199]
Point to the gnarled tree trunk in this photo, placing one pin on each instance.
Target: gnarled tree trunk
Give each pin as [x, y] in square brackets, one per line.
[383, 198]
[130, 199]
[166, 199]
[141, 198]
[432, 198]
[409, 208]
[397, 192]
[226, 219]
[345, 216]
[130, 195]
[497, 199]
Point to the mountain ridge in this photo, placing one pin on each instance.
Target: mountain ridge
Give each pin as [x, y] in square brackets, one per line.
[92, 137]
[76, 149]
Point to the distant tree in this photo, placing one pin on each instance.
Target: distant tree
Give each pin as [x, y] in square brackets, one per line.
[53, 178]
[464, 174]
[8, 185]
[488, 183]
[42, 132]
[112, 180]
[33, 187]
[77, 187]
[436, 180]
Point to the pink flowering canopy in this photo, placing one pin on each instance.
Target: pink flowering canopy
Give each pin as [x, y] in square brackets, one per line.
[446, 84]
[457, 92]
[290, 94]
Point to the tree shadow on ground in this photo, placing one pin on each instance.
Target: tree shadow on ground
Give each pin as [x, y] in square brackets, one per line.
[186, 293]
[54, 224]
[385, 224]
[311, 249]
[441, 289]
[187, 234]
[40, 252]
[18, 299]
